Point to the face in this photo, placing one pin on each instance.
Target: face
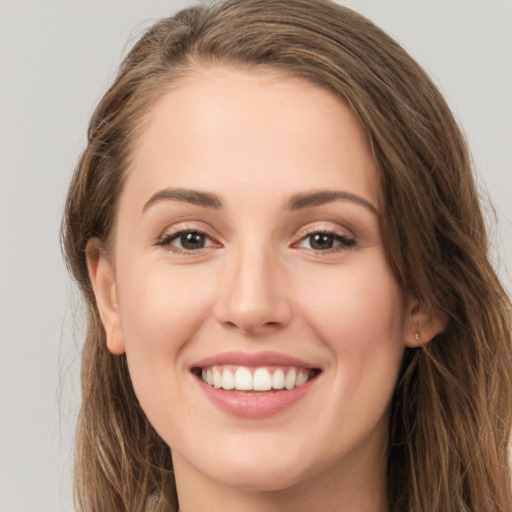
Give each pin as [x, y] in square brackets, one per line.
[249, 286]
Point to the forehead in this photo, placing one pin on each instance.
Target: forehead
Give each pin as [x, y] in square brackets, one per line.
[250, 127]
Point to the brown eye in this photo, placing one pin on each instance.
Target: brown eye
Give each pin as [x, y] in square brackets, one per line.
[186, 241]
[192, 240]
[324, 241]
[321, 241]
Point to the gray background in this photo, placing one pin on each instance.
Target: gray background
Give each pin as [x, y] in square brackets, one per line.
[56, 58]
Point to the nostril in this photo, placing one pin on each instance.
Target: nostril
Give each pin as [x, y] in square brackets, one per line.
[252, 328]
[252, 301]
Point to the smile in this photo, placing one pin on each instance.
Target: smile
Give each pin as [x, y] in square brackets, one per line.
[243, 378]
[254, 385]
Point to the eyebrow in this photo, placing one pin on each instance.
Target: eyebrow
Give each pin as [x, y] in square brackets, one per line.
[298, 201]
[196, 197]
[320, 197]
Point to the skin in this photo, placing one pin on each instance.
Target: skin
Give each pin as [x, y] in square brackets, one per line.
[255, 139]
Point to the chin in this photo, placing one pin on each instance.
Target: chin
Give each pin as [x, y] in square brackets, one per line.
[246, 464]
[261, 477]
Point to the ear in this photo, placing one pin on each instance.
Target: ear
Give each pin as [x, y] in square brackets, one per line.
[103, 283]
[422, 325]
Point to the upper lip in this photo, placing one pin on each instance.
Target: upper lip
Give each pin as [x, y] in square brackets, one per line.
[238, 358]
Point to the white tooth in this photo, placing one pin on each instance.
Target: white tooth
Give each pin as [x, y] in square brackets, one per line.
[278, 379]
[228, 379]
[262, 381]
[243, 379]
[203, 375]
[209, 377]
[217, 377]
[302, 377]
[291, 377]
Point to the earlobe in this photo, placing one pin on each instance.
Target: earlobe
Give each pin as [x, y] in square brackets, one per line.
[103, 283]
[422, 325]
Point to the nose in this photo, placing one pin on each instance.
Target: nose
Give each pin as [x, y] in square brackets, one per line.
[253, 296]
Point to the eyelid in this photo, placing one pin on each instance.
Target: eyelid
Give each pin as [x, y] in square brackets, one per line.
[170, 233]
[347, 237]
[323, 228]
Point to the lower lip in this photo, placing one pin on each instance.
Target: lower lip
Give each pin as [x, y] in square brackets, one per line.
[254, 406]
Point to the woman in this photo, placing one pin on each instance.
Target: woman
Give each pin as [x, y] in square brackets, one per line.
[277, 233]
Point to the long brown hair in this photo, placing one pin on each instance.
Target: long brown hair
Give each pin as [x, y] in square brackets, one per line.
[451, 413]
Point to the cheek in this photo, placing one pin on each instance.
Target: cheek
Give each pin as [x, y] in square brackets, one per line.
[160, 314]
[359, 316]
[160, 308]
[359, 307]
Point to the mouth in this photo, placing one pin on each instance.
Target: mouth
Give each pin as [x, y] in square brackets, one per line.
[255, 380]
[254, 386]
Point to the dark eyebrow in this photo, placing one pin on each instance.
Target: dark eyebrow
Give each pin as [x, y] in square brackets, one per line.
[205, 199]
[320, 197]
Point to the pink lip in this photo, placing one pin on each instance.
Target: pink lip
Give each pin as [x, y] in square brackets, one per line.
[257, 359]
[248, 405]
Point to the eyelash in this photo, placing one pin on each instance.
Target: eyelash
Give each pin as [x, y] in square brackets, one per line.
[342, 242]
[167, 239]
